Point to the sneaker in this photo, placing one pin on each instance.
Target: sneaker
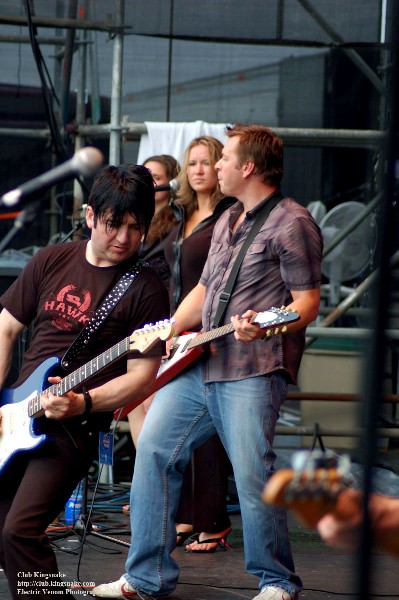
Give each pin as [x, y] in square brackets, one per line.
[115, 589]
[271, 592]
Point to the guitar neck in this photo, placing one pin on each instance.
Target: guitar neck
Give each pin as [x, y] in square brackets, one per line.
[209, 336]
[213, 334]
[79, 376]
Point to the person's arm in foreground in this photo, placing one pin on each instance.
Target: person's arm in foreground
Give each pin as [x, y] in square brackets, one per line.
[342, 528]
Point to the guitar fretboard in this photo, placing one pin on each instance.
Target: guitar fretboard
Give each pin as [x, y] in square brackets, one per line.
[279, 316]
[213, 334]
[208, 336]
[77, 377]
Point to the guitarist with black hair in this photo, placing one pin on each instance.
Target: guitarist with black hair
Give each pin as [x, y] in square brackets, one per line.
[59, 290]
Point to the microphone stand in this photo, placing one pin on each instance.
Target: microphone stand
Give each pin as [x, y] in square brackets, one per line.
[25, 219]
[78, 225]
[21, 223]
[83, 525]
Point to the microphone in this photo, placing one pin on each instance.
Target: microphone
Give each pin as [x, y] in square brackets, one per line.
[172, 186]
[85, 162]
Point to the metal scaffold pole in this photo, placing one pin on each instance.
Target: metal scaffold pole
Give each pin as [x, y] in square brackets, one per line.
[116, 92]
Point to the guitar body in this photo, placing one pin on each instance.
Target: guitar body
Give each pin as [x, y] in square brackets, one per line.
[17, 427]
[21, 405]
[180, 357]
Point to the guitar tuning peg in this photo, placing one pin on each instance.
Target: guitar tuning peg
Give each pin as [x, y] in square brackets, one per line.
[276, 331]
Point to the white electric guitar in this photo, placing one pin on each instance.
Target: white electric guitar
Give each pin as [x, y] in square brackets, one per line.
[188, 347]
[21, 405]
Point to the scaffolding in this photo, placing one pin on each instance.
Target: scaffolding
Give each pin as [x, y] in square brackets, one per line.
[72, 17]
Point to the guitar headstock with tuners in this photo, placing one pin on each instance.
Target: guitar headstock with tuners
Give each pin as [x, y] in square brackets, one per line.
[144, 339]
[319, 484]
[275, 320]
[312, 487]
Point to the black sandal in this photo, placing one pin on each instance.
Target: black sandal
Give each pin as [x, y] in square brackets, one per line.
[183, 535]
[221, 542]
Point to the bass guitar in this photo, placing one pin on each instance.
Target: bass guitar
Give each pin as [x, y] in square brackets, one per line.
[19, 406]
[317, 485]
[188, 347]
[311, 488]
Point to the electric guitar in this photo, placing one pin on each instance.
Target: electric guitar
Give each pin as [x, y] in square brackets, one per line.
[21, 405]
[311, 488]
[316, 485]
[186, 348]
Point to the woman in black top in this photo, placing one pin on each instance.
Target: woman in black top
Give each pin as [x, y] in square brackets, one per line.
[199, 204]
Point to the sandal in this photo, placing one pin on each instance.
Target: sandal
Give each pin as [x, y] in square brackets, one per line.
[182, 536]
[219, 541]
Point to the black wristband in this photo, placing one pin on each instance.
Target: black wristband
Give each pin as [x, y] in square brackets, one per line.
[88, 402]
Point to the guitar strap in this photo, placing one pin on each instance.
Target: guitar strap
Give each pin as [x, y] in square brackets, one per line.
[257, 224]
[102, 313]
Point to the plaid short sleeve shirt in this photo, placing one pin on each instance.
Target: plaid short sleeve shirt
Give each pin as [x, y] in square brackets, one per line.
[285, 255]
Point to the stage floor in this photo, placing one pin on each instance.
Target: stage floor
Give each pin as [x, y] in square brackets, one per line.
[326, 573]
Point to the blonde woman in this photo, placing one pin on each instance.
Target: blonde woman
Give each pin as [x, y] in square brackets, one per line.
[202, 511]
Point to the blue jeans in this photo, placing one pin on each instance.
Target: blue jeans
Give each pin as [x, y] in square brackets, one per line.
[183, 415]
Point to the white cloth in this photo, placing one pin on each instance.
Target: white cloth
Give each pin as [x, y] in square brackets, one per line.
[173, 138]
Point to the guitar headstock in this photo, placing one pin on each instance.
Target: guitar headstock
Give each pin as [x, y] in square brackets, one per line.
[311, 488]
[144, 339]
[275, 320]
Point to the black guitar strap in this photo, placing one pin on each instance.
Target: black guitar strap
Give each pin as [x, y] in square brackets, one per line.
[102, 313]
[257, 224]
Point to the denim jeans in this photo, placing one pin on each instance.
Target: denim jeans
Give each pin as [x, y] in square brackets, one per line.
[183, 415]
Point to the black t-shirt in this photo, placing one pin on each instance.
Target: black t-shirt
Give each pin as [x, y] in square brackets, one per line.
[59, 290]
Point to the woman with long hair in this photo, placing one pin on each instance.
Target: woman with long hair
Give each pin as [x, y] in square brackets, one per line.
[202, 511]
[163, 168]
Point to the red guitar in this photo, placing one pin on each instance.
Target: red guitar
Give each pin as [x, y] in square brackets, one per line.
[188, 347]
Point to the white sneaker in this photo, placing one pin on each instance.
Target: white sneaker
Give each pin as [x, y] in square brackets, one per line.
[116, 589]
[271, 592]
